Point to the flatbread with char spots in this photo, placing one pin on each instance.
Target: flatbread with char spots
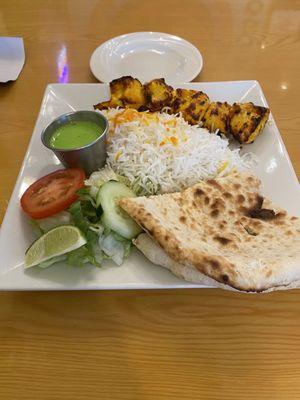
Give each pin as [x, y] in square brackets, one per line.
[226, 230]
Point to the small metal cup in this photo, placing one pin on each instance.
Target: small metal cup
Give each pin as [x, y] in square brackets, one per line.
[90, 157]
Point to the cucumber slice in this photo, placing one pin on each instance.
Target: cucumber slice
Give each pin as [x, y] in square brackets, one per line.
[98, 197]
[113, 216]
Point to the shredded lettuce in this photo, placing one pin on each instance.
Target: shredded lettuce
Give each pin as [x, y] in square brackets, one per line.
[115, 246]
[86, 217]
[125, 242]
[53, 260]
[82, 256]
[97, 227]
[98, 178]
[85, 195]
[78, 257]
[82, 216]
[102, 242]
[61, 218]
[37, 230]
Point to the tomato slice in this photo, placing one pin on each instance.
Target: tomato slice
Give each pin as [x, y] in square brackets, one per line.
[52, 193]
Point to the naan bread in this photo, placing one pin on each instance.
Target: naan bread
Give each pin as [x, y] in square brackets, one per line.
[158, 256]
[226, 230]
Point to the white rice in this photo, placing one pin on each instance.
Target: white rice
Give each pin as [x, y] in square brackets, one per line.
[162, 153]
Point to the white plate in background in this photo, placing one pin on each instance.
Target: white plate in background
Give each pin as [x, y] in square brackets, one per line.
[279, 182]
[146, 55]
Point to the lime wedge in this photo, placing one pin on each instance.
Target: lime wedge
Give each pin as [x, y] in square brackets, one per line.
[55, 242]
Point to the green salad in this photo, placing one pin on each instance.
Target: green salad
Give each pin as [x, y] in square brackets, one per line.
[92, 229]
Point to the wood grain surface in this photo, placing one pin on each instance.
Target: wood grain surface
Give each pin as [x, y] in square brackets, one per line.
[179, 344]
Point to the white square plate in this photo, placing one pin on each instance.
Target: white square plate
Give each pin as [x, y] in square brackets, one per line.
[274, 169]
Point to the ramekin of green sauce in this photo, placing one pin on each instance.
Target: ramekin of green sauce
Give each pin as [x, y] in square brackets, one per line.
[78, 139]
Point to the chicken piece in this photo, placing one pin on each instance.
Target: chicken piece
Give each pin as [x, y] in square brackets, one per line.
[134, 94]
[246, 121]
[158, 94]
[126, 92]
[112, 103]
[216, 117]
[191, 103]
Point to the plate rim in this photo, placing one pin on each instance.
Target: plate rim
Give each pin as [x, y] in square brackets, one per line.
[98, 49]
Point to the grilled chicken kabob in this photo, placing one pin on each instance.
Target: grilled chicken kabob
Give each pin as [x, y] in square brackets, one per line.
[244, 121]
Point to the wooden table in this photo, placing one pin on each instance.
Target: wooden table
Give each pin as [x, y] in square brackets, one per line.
[180, 344]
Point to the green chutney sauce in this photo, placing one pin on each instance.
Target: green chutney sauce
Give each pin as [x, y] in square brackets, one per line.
[75, 134]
